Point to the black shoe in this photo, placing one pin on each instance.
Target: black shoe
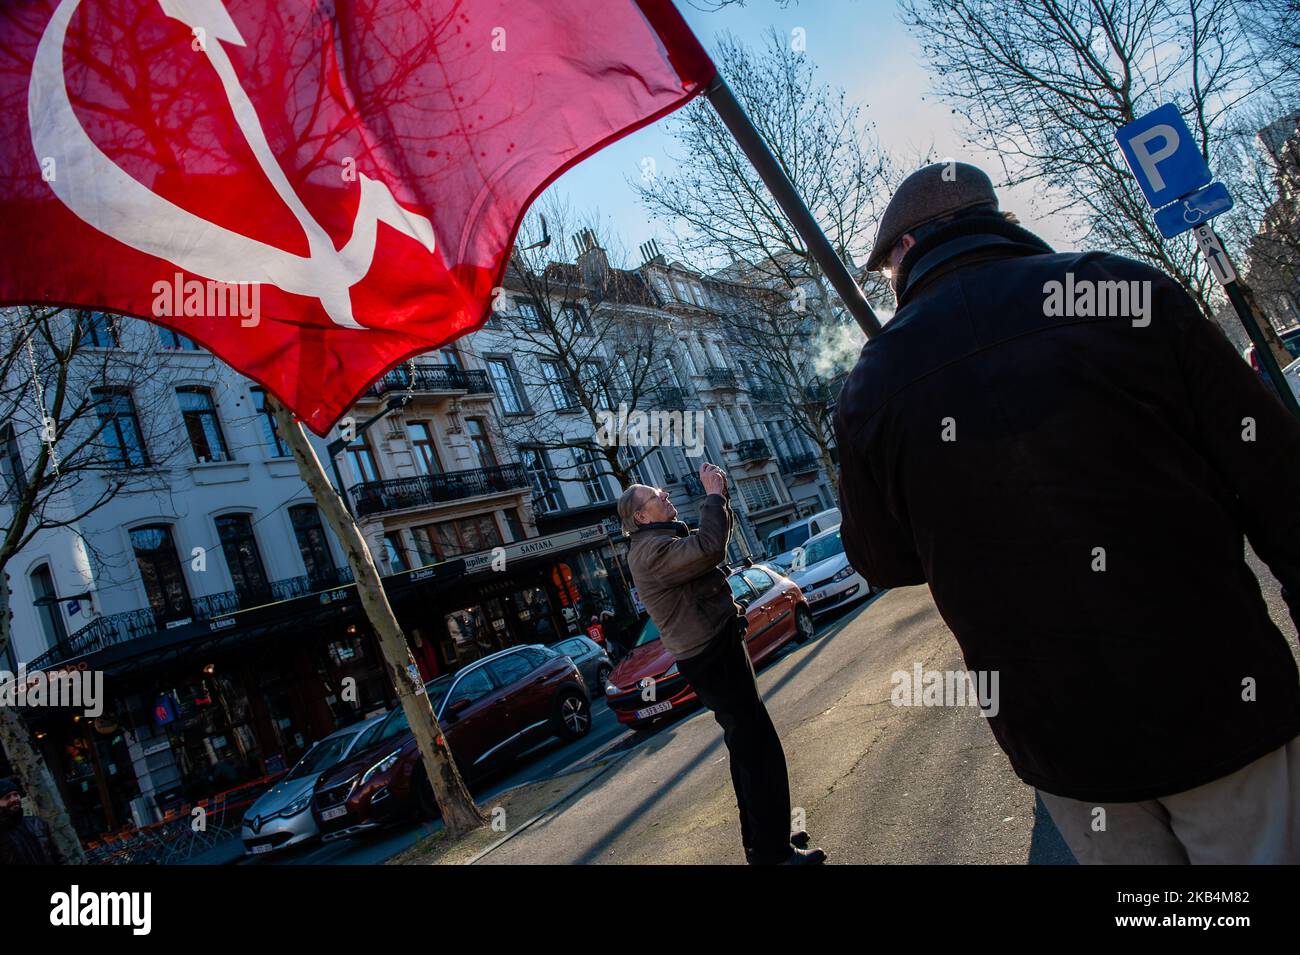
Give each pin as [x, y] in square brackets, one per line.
[805, 857]
[797, 839]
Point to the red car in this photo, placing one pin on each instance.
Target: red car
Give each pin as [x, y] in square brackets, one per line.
[489, 711]
[777, 613]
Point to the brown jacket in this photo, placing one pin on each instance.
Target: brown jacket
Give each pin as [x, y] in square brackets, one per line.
[676, 573]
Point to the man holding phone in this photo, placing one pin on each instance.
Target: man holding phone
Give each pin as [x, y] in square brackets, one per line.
[677, 572]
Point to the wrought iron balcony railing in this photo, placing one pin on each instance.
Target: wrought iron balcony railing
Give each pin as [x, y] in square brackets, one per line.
[755, 449]
[721, 377]
[376, 497]
[800, 462]
[434, 379]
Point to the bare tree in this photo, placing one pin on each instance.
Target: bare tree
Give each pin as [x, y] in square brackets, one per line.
[785, 315]
[69, 395]
[1045, 83]
[586, 337]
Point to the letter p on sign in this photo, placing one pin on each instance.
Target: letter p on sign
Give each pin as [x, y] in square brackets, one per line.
[1163, 155]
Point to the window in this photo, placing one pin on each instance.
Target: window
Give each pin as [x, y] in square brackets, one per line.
[446, 539]
[478, 436]
[508, 669]
[201, 423]
[557, 385]
[513, 524]
[312, 544]
[538, 468]
[590, 471]
[502, 374]
[160, 569]
[760, 580]
[473, 686]
[101, 330]
[450, 356]
[175, 341]
[572, 648]
[426, 451]
[363, 460]
[528, 313]
[270, 430]
[121, 432]
[741, 590]
[574, 320]
[47, 607]
[758, 492]
[12, 471]
[395, 553]
[235, 531]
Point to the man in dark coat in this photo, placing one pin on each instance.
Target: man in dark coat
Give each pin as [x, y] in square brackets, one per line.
[24, 840]
[1070, 455]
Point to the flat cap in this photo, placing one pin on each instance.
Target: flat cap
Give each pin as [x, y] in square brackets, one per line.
[932, 192]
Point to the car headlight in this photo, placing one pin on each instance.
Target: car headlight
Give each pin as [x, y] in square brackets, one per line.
[383, 766]
[611, 689]
[846, 572]
[297, 806]
[671, 671]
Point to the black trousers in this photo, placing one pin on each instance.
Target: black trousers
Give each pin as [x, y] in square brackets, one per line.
[723, 678]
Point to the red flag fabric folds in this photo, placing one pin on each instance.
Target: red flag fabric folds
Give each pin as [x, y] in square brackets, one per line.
[315, 191]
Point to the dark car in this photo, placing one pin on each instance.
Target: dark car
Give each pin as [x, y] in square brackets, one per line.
[490, 711]
[646, 686]
[592, 660]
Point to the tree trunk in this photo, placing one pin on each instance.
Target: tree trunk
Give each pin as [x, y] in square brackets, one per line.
[460, 815]
[29, 765]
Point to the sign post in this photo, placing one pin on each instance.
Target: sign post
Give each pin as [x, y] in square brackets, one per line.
[1177, 183]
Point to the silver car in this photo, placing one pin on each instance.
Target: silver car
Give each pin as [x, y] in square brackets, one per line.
[592, 662]
[282, 817]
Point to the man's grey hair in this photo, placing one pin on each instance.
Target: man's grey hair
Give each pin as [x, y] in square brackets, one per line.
[628, 504]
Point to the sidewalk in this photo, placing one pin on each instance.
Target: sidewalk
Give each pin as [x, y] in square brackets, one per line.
[878, 783]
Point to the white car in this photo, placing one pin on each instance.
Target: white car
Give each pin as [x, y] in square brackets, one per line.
[784, 542]
[824, 573]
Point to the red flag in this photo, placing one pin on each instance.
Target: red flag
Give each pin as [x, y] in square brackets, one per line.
[315, 191]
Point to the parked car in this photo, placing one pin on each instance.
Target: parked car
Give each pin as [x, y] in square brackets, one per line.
[781, 543]
[1292, 374]
[824, 574]
[281, 816]
[490, 711]
[592, 660]
[777, 613]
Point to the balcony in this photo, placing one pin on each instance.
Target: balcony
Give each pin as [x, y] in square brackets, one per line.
[766, 393]
[692, 485]
[722, 378]
[667, 397]
[399, 494]
[433, 379]
[118, 628]
[799, 463]
[753, 450]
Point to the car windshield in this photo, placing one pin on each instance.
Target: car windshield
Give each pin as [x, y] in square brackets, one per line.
[321, 756]
[823, 549]
[649, 633]
[788, 539]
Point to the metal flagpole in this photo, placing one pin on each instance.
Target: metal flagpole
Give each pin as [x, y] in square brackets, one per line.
[778, 183]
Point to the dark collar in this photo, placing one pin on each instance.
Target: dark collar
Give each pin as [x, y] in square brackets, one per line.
[968, 238]
[677, 527]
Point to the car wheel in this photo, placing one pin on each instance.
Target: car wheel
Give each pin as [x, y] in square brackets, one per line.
[602, 677]
[803, 625]
[573, 715]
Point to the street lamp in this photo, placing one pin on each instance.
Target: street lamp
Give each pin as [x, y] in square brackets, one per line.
[337, 446]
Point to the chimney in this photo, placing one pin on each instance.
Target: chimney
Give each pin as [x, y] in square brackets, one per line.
[650, 254]
[593, 263]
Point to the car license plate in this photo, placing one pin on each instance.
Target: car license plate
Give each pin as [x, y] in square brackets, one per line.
[819, 595]
[258, 850]
[655, 710]
[333, 813]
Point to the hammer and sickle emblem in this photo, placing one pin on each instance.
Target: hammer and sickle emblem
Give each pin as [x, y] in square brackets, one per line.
[100, 193]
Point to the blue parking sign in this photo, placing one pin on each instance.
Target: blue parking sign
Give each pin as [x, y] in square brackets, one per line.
[1163, 155]
[1190, 211]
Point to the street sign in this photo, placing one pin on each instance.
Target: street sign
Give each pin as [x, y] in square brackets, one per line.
[1190, 211]
[1163, 155]
[1214, 253]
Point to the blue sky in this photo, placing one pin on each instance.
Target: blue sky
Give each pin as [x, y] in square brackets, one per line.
[859, 45]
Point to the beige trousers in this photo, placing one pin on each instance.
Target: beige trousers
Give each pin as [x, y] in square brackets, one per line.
[1249, 817]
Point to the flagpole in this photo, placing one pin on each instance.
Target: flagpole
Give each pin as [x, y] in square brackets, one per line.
[787, 197]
